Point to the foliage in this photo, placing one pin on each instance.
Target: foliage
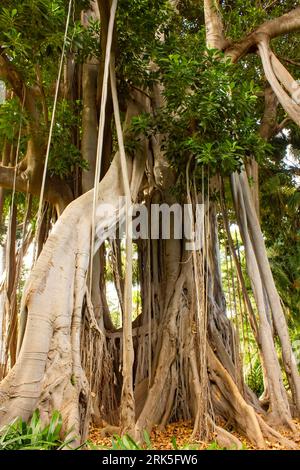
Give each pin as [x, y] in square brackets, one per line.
[65, 155]
[254, 376]
[126, 442]
[11, 117]
[186, 446]
[33, 28]
[280, 209]
[214, 446]
[139, 23]
[243, 16]
[210, 112]
[19, 435]
[210, 117]
[214, 111]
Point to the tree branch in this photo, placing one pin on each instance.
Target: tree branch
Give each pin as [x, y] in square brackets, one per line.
[283, 124]
[274, 70]
[57, 192]
[287, 23]
[289, 61]
[277, 75]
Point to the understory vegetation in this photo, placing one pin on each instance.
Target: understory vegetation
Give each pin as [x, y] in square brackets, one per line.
[20, 435]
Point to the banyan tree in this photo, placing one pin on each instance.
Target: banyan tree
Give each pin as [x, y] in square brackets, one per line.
[111, 106]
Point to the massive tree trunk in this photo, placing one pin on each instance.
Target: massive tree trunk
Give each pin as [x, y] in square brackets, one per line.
[48, 373]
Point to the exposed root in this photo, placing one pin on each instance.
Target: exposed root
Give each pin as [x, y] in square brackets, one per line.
[274, 436]
[225, 438]
[242, 414]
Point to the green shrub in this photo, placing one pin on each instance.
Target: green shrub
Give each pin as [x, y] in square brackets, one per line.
[19, 435]
[254, 378]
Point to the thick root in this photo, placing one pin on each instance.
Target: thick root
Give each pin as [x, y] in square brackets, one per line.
[274, 436]
[224, 438]
[242, 414]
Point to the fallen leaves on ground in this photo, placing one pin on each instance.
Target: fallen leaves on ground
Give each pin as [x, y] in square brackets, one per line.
[179, 436]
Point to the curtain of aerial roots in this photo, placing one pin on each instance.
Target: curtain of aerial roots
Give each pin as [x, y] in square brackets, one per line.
[269, 308]
[186, 350]
[67, 362]
[173, 352]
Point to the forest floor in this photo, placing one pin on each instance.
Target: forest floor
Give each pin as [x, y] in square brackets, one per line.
[179, 436]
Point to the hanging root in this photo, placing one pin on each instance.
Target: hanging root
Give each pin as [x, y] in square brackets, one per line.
[275, 71]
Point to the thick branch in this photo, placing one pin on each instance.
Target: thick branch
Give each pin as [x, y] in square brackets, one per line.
[284, 24]
[57, 192]
[273, 70]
